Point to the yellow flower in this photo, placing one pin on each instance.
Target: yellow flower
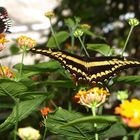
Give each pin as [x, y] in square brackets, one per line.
[78, 33]
[28, 133]
[133, 22]
[3, 40]
[130, 112]
[94, 96]
[6, 72]
[85, 26]
[27, 42]
[49, 14]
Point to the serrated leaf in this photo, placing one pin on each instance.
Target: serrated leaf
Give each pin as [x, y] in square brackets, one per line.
[128, 79]
[25, 108]
[83, 131]
[60, 37]
[92, 119]
[115, 130]
[58, 83]
[12, 88]
[101, 48]
[45, 66]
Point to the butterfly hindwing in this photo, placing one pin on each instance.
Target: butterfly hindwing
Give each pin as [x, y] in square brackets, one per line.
[102, 68]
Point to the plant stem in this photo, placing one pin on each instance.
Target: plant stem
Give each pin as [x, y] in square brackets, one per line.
[83, 46]
[53, 34]
[131, 29]
[72, 40]
[136, 135]
[16, 124]
[95, 125]
[20, 72]
[45, 131]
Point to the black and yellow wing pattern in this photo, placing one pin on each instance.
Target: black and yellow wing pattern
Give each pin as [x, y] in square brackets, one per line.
[91, 70]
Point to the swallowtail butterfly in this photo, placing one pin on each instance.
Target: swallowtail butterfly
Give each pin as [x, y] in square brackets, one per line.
[5, 22]
[91, 70]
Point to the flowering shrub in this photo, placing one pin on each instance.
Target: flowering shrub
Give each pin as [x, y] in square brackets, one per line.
[29, 87]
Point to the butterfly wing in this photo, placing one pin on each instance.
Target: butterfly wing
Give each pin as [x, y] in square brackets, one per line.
[5, 22]
[74, 64]
[102, 68]
[91, 70]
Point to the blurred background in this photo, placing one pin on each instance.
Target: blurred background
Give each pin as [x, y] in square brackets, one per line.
[106, 18]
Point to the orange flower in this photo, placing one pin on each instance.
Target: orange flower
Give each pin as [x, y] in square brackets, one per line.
[94, 96]
[6, 72]
[27, 42]
[45, 111]
[3, 40]
[130, 112]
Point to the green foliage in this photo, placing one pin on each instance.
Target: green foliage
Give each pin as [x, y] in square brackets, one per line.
[101, 48]
[25, 108]
[11, 88]
[60, 36]
[48, 84]
[133, 80]
[75, 125]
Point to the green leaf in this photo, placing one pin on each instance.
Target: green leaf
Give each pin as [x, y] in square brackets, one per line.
[128, 79]
[115, 130]
[83, 131]
[60, 37]
[101, 48]
[58, 83]
[88, 32]
[97, 119]
[12, 88]
[45, 66]
[25, 108]
[69, 22]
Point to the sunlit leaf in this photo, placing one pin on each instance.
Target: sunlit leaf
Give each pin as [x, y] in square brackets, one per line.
[60, 37]
[101, 48]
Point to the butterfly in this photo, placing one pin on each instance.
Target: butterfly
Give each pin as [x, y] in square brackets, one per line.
[5, 21]
[89, 69]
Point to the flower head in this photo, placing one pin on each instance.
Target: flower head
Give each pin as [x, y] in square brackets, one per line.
[94, 96]
[78, 33]
[49, 14]
[6, 72]
[26, 42]
[130, 112]
[45, 111]
[133, 22]
[122, 95]
[3, 40]
[85, 26]
[28, 133]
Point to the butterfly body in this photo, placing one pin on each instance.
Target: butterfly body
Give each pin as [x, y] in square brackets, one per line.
[90, 70]
[5, 22]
